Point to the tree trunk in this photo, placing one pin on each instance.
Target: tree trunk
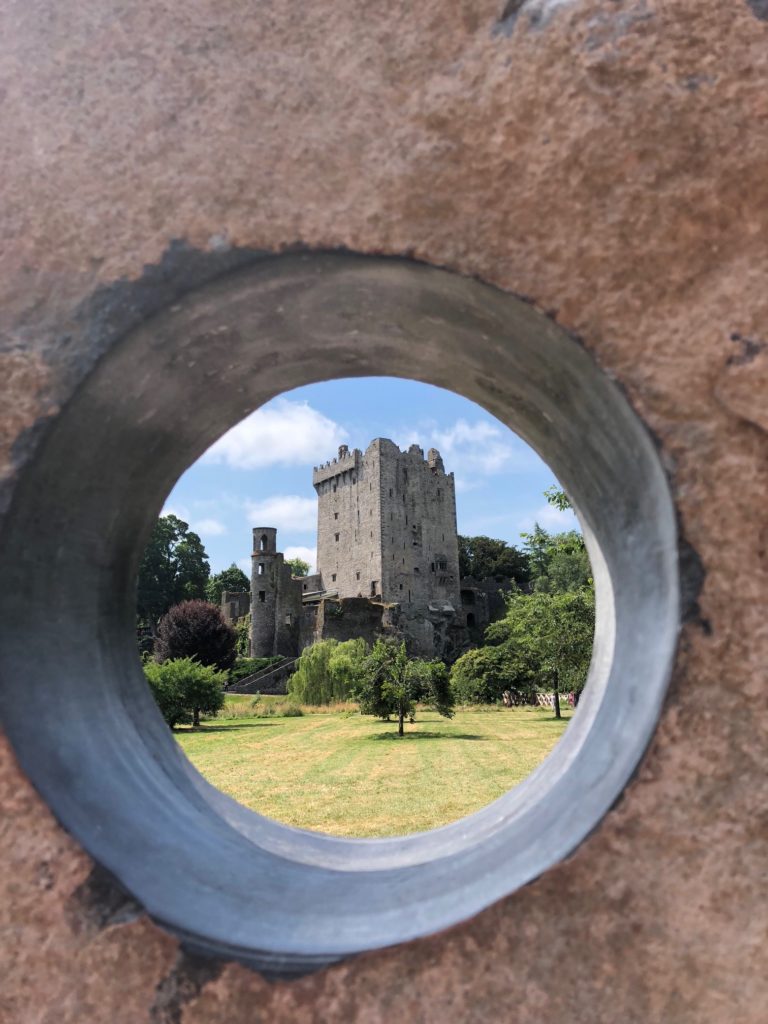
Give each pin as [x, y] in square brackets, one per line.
[196, 717]
[400, 717]
[557, 697]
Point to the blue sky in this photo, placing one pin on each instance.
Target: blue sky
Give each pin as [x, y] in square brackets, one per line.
[260, 472]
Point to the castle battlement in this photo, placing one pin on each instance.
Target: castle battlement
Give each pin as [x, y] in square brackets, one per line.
[346, 462]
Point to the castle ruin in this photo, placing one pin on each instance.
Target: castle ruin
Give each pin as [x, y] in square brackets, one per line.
[387, 560]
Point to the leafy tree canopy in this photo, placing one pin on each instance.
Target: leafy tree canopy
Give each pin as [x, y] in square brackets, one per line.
[558, 561]
[184, 689]
[232, 579]
[487, 558]
[196, 629]
[391, 684]
[298, 566]
[328, 671]
[174, 568]
[551, 634]
[557, 498]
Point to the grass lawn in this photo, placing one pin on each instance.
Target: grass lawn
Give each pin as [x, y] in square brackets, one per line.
[350, 775]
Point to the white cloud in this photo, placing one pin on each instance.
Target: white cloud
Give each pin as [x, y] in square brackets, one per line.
[553, 519]
[483, 447]
[491, 448]
[306, 554]
[209, 527]
[180, 511]
[245, 565]
[285, 511]
[282, 433]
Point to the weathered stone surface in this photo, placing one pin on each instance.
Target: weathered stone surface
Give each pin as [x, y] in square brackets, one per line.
[606, 160]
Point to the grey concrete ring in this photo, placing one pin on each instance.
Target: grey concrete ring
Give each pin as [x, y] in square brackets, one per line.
[74, 702]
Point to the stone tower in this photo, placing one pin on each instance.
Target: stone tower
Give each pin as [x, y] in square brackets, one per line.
[275, 601]
[387, 530]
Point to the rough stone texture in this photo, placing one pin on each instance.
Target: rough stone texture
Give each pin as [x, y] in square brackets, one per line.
[386, 527]
[608, 161]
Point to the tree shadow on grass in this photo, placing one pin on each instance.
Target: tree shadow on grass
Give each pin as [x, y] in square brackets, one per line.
[191, 731]
[427, 736]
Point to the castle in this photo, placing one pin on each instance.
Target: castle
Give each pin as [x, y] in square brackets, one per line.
[387, 561]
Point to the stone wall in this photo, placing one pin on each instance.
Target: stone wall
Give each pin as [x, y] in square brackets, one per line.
[235, 605]
[605, 160]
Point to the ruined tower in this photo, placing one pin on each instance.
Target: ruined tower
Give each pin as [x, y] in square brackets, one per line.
[275, 601]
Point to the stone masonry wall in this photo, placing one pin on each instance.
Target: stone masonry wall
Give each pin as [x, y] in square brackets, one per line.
[420, 554]
[349, 523]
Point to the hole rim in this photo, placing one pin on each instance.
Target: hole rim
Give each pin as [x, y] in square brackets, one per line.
[410, 302]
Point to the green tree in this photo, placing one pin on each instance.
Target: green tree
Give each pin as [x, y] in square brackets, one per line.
[327, 671]
[174, 568]
[550, 636]
[184, 689]
[558, 561]
[196, 629]
[391, 684]
[487, 558]
[298, 566]
[557, 498]
[482, 675]
[232, 579]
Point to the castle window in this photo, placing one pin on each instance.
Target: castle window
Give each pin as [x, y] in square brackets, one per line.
[263, 542]
[401, 586]
[406, 520]
[390, 492]
[288, 619]
[373, 587]
[335, 515]
[470, 619]
[439, 492]
[333, 577]
[357, 575]
[409, 595]
[262, 596]
[334, 488]
[416, 569]
[260, 571]
[432, 567]
[336, 537]
[305, 586]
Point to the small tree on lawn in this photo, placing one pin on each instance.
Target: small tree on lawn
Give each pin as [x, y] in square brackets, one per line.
[184, 689]
[392, 683]
[196, 629]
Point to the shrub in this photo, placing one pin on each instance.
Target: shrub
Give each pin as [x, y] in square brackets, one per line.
[196, 629]
[184, 689]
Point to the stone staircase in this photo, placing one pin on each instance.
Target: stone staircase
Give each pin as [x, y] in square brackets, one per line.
[270, 680]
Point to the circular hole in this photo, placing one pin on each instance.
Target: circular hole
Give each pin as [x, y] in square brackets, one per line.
[404, 509]
[75, 705]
